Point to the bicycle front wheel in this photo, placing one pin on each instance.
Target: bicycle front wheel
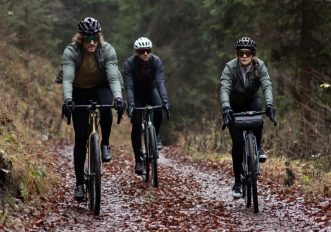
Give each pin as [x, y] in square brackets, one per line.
[253, 155]
[247, 191]
[153, 151]
[247, 180]
[95, 175]
[146, 156]
[246, 185]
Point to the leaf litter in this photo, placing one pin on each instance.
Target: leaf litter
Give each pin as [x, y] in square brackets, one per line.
[192, 196]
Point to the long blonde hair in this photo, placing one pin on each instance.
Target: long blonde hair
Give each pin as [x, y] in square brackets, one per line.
[78, 38]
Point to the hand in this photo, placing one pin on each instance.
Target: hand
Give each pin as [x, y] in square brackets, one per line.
[68, 107]
[120, 106]
[130, 109]
[166, 108]
[271, 112]
[227, 116]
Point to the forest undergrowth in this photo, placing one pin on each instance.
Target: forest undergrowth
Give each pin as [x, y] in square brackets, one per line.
[312, 176]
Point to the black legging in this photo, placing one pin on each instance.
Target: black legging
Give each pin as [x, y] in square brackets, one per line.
[141, 98]
[237, 137]
[102, 95]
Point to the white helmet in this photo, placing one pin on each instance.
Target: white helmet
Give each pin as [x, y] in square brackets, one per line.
[141, 43]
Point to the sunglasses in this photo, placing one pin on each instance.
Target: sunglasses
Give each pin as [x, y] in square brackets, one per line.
[89, 38]
[143, 51]
[242, 53]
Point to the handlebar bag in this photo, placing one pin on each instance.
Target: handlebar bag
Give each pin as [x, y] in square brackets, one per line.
[248, 122]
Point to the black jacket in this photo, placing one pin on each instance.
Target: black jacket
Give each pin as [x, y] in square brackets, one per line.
[143, 76]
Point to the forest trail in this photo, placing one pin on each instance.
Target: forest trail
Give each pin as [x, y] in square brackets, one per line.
[192, 196]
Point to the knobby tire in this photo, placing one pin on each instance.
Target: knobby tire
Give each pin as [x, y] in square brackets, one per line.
[95, 177]
[253, 155]
[153, 155]
[247, 193]
[146, 158]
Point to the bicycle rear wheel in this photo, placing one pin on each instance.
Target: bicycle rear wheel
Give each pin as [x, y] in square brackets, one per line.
[252, 154]
[153, 151]
[94, 186]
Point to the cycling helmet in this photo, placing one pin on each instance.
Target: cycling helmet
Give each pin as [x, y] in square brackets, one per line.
[246, 42]
[89, 26]
[142, 43]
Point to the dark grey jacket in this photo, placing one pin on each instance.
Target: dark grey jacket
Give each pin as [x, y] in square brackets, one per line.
[233, 89]
[134, 81]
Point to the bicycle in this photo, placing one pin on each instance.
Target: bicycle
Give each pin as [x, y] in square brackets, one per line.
[247, 121]
[151, 153]
[93, 172]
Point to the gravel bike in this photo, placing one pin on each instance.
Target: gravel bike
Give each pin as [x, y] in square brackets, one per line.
[93, 171]
[151, 153]
[247, 121]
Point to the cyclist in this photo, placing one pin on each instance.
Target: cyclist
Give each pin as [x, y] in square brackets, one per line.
[241, 79]
[89, 72]
[144, 84]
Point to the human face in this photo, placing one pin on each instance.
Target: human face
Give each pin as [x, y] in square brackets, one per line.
[245, 57]
[144, 54]
[90, 43]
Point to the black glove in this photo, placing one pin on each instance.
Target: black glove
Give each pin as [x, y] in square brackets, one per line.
[130, 109]
[166, 108]
[68, 107]
[120, 106]
[271, 112]
[227, 116]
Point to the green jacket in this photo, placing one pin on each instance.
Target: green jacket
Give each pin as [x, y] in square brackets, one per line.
[233, 89]
[106, 60]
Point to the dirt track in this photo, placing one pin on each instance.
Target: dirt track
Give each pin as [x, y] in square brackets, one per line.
[191, 197]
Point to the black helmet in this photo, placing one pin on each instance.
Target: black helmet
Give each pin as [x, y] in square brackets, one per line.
[89, 26]
[246, 42]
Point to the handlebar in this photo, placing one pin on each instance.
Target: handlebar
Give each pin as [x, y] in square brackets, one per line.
[92, 107]
[248, 114]
[149, 108]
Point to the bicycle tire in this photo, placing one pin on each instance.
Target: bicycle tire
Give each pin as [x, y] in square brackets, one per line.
[247, 192]
[153, 151]
[95, 177]
[252, 154]
[146, 156]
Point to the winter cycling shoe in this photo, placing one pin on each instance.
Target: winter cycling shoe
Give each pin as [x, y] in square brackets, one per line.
[139, 167]
[79, 193]
[236, 191]
[159, 144]
[106, 153]
[262, 156]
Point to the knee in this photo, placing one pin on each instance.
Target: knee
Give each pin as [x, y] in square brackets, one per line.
[136, 126]
[237, 148]
[158, 114]
[106, 114]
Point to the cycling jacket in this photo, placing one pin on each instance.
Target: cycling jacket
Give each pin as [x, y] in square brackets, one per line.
[233, 89]
[106, 61]
[139, 76]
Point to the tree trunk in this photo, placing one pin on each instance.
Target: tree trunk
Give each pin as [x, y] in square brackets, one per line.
[305, 72]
